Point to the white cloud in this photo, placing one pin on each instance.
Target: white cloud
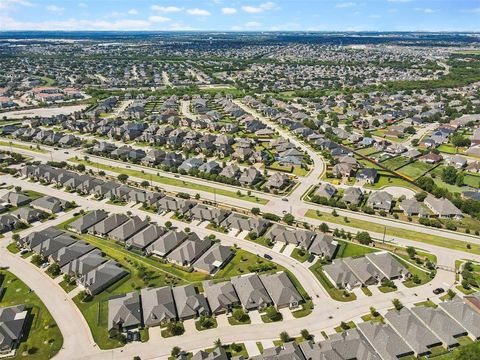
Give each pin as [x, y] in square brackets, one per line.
[198, 12]
[229, 10]
[425, 10]
[159, 19]
[54, 8]
[5, 4]
[472, 11]
[8, 23]
[166, 9]
[374, 16]
[83, 5]
[258, 9]
[345, 5]
[133, 12]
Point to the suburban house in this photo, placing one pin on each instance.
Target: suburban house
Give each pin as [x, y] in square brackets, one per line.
[12, 325]
[221, 296]
[101, 277]
[213, 259]
[158, 306]
[251, 292]
[124, 312]
[444, 208]
[82, 224]
[380, 200]
[189, 303]
[281, 290]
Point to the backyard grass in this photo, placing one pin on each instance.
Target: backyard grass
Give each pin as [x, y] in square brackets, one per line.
[43, 338]
[334, 293]
[472, 180]
[172, 181]
[386, 180]
[395, 162]
[22, 147]
[415, 169]
[423, 237]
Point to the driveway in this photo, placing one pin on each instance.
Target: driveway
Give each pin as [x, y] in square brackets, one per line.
[278, 246]
[286, 314]
[289, 249]
[252, 348]
[255, 317]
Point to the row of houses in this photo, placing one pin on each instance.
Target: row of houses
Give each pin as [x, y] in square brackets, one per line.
[46, 137]
[384, 201]
[371, 269]
[407, 332]
[36, 210]
[179, 247]
[93, 271]
[158, 306]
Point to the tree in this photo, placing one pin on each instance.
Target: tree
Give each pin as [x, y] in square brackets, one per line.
[364, 238]
[54, 269]
[373, 311]
[324, 228]
[284, 336]
[255, 211]
[37, 260]
[175, 328]
[451, 294]
[84, 296]
[411, 252]
[273, 314]
[175, 351]
[469, 352]
[145, 183]
[289, 219]
[449, 175]
[397, 304]
[239, 315]
[168, 224]
[217, 343]
[305, 334]
[16, 237]
[122, 177]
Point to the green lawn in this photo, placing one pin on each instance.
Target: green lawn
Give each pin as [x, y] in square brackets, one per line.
[334, 293]
[472, 180]
[386, 180]
[22, 147]
[423, 237]
[396, 162]
[67, 287]
[300, 255]
[348, 249]
[447, 148]
[367, 151]
[172, 181]
[13, 248]
[245, 262]
[43, 337]
[415, 170]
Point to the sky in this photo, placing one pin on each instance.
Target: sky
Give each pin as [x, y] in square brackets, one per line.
[251, 15]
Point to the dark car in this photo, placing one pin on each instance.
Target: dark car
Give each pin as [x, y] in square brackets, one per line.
[268, 257]
[438, 291]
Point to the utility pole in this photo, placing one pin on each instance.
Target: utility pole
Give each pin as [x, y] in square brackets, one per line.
[384, 232]
[214, 196]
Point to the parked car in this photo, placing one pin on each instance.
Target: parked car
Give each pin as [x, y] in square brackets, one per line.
[438, 291]
[268, 257]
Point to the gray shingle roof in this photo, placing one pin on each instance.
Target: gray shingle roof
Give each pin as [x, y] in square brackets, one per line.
[250, 291]
[281, 289]
[158, 305]
[124, 311]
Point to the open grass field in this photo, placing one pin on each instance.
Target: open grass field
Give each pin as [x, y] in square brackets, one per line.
[415, 169]
[472, 180]
[396, 162]
[43, 338]
[172, 181]
[387, 180]
[423, 237]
